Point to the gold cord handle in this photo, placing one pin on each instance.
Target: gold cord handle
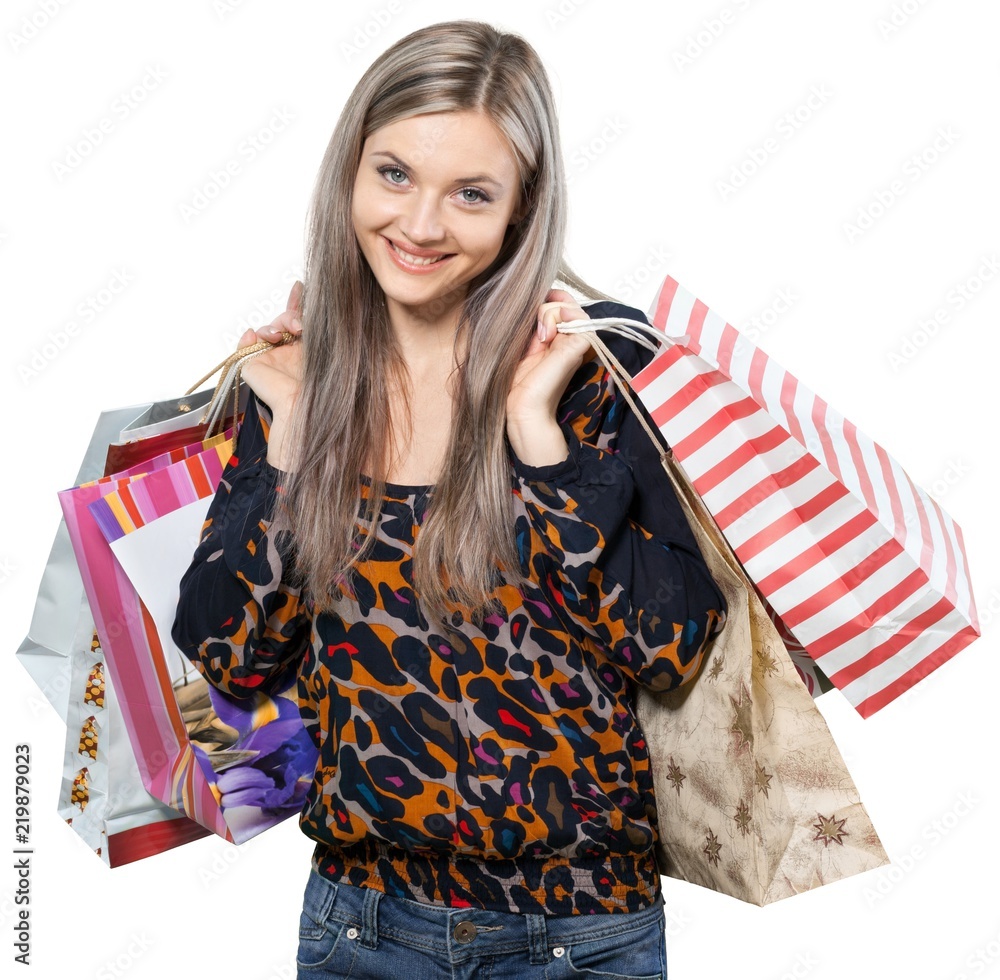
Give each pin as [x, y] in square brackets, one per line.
[228, 385]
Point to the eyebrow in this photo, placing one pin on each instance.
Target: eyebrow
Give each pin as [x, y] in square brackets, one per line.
[478, 179]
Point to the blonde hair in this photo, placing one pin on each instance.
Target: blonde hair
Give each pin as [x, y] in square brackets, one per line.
[351, 360]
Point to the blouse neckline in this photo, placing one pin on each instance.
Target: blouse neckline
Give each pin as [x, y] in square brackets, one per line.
[401, 489]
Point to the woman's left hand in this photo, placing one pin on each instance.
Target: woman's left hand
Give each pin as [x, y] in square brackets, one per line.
[540, 380]
[551, 360]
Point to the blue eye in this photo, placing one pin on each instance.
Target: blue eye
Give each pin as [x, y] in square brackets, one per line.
[391, 169]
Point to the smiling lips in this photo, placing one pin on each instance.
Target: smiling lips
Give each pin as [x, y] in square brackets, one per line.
[415, 260]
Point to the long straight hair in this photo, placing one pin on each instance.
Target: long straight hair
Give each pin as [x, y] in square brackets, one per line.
[351, 360]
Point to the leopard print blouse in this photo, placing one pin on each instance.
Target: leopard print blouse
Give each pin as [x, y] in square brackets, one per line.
[497, 766]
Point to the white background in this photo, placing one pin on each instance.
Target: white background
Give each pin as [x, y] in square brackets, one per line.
[647, 140]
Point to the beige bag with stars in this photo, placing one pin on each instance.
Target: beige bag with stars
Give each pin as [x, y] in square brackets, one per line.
[753, 797]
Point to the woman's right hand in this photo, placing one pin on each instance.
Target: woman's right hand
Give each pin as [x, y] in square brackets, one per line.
[276, 374]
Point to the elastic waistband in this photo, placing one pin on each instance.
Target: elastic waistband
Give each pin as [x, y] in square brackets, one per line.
[555, 885]
[460, 933]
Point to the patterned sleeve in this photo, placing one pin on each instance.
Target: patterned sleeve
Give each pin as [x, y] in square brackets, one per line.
[603, 534]
[240, 617]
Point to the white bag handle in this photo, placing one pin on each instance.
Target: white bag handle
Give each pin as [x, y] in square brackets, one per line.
[636, 330]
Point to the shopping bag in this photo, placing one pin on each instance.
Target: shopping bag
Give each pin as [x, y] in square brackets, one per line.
[864, 568]
[135, 448]
[237, 767]
[169, 426]
[167, 416]
[46, 651]
[164, 459]
[101, 796]
[753, 797]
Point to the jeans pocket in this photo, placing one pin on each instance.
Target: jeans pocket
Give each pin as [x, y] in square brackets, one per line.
[317, 942]
[637, 954]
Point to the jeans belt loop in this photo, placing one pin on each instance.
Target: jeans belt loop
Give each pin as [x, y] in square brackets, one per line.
[369, 918]
[537, 939]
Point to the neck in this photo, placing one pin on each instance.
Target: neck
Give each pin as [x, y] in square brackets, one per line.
[428, 344]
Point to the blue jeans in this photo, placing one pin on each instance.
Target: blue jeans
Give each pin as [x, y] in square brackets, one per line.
[361, 934]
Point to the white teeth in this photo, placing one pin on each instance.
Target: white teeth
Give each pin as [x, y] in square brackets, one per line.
[414, 259]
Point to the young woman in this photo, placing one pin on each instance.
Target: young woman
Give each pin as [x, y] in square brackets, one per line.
[445, 519]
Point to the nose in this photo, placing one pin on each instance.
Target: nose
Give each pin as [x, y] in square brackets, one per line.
[421, 220]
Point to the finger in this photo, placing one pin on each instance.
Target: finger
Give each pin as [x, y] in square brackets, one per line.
[559, 313]
[547, 319]
[290, 321]
[286, 322]
[295, 297]
[559, 295]
[537, 345]
[248, 338]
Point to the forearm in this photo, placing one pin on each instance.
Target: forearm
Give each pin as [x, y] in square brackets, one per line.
[648, 601]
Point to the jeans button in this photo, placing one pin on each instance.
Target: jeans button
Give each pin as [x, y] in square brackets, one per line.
[464, 932]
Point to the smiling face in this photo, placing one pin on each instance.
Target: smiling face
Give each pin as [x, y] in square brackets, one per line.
[433, 197]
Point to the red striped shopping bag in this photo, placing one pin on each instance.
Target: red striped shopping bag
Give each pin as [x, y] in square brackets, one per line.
[863, 567]
[235, 766]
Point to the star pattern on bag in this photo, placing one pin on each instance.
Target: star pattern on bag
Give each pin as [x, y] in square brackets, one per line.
[675, 775]
[830, 829]
[766, 662]
[743, 817]
[762, 779]
[715, 671]
[712, 848]
[742, 726]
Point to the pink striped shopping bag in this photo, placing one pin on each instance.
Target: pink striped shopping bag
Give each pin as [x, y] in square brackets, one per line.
[236, 767]
[865, 569]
